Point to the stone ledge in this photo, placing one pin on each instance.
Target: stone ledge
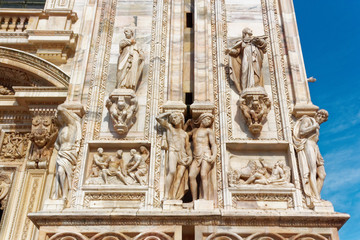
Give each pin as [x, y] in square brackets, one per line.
[216, 217]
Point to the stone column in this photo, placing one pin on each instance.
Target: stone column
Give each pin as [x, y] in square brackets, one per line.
[301, 94]
[176, 58]
[203, 84]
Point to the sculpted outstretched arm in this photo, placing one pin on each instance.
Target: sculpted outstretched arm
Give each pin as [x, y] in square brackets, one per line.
[307, 127]
[160, 119]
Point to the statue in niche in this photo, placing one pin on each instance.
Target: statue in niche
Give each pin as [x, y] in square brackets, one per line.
[67, 144]
[311, 163]
[264, 174]
[130, 63]
[123, 111]
[179, 155]
[204, 155]
[137, 166]
[247, 55]
[114, 166]
[43, 135]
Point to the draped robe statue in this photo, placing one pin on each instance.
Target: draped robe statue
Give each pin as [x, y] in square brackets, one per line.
[311, 163]
[247, 59]
[130, 62]
[67, 144]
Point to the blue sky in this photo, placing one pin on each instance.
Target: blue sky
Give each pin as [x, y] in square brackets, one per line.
[330, 35]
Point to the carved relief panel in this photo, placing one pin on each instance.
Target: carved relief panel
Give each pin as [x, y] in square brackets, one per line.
[14, 147]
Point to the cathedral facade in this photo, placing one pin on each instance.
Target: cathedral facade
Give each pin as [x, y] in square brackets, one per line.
[162, 119]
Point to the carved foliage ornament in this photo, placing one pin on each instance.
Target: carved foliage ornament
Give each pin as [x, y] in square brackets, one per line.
[14, 146]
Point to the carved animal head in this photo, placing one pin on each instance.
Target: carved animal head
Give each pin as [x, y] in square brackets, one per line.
[42, 129]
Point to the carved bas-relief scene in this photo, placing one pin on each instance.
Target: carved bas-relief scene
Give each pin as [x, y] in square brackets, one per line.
[123, 167]
[169, 120]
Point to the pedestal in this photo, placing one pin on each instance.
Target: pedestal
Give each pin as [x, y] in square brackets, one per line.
[171, 205]
[202, 204]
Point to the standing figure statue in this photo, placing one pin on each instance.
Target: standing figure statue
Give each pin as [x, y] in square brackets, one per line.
[179, 155]
[67, 144]
[205, 151]
[311, 163]
[130, 63]
[248, 54]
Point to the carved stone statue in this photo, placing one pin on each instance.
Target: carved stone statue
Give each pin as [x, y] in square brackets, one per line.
[130, 63]
[255, 108]
[179, 155]
[247, 62]
[248, 54]
[311, 163]
[43, 135]
[137, 167]
[122, 109]
[67, 144]
[204, 155]
[264, 174]
[5, 183]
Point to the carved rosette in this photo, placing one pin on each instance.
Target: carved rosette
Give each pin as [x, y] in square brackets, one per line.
[123, 106]
[43, 135]
[255, 106]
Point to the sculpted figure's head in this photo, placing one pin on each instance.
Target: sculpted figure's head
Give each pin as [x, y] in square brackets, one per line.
[205, 119]
[321, 116]
[143, 149]
[121, 105]
[247, 33]
[176, 118]
[100, 150]
[132, 152]
[129, 33]
[119, 153]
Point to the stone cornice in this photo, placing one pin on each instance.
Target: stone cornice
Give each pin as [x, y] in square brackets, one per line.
[186, 217]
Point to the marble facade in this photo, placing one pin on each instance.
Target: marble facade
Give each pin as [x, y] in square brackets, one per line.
[250, 185]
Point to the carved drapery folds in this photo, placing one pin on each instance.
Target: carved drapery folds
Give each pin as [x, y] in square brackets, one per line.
[311, 163]
[264, 173]
[5, 182]
[247, 62]
[43, 136]
[117, 168]
[67, 145]
[122, 103]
